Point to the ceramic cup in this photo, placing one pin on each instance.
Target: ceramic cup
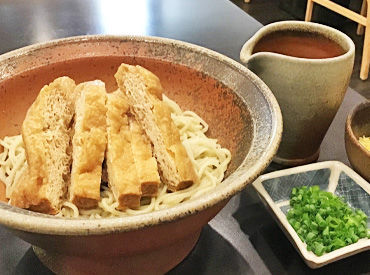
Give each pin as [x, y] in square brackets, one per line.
[309, 91]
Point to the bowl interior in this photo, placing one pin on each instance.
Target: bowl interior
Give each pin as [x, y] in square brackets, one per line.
[229, 121]
[241, 111]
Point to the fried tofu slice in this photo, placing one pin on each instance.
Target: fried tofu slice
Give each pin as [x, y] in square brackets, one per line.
[146, 164]
[122, 174]
[144, 92]
[89, 144]
[175, 149]
[46, 133]
[3, 192]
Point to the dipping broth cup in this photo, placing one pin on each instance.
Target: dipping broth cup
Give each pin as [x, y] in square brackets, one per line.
[309, 91]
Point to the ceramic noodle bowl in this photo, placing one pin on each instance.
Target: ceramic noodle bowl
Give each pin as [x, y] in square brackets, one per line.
[308, 71]
[242, 114]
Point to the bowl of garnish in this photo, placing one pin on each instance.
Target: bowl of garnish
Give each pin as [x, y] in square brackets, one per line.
[357, 139]
[115, 151]
[323, 209]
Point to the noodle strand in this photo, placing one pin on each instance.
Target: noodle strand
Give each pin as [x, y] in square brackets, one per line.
[208, 157]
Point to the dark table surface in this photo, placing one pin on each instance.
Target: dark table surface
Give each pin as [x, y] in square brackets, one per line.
[243, 238]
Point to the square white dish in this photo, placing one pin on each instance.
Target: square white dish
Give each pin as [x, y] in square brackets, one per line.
[274, 190]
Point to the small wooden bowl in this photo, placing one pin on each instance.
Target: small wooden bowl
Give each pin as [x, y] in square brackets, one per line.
[358, 125]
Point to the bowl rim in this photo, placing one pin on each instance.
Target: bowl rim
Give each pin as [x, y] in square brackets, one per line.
[349, 130]
[29, 221]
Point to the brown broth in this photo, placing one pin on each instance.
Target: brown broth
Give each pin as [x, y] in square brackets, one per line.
[299, 44]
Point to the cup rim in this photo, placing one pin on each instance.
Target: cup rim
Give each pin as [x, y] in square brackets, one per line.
[297, 25]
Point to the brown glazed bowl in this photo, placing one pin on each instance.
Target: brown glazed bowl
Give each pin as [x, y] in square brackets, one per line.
[358, 125]
[242, 114]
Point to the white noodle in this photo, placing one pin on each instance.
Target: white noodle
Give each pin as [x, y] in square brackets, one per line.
[12, 161]
[209, 159]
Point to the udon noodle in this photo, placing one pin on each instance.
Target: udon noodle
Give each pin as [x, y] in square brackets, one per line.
[12, 161]
[208, 157]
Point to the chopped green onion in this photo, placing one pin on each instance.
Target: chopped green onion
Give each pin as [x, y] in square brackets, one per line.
[324, 221]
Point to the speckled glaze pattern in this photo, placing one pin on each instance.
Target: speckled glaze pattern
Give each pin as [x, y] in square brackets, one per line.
[241, 111]
[358, 125]
[309, 91]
